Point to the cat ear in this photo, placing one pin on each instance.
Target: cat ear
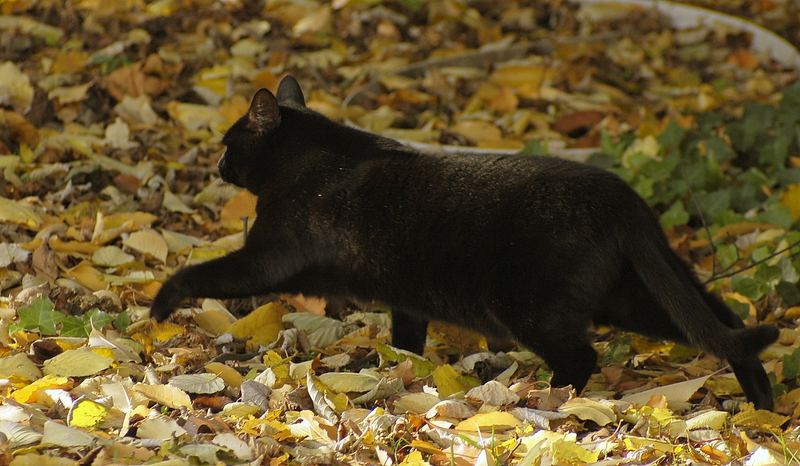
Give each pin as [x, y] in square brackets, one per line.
[263, 114]
[289, 91]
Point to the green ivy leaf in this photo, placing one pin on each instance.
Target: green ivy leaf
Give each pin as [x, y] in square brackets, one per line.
[39, 316]
[73, 326]
[791, 365]
[747, 286]
[727, 255]
[122, 321]
[674, 216]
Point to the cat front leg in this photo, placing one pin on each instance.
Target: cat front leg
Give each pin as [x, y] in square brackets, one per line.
[409, 331]
[238, 274]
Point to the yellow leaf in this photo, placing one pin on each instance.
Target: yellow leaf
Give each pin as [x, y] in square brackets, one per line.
[86, 413]
[261, 326]
[33, 459]
[497, 421]
[81, 362]
[194, 116]
[478, 132]
[111, 256]
[165, 395]
[69, 61]
[791, 199]
[234, 108]
[137, 219]
[150, 289]
[214, 321]
[19, 367]
[164, 331]
[173, 203]
[30, 394]
[426, 447]
[231, 376]
[586, 409]
[414, 459]
[15, 87]
[792, 313]
[525, 80]
[708, 420]
[447, 381]
[19, 213]
[205, 253]
[70, 94]
[634, 443]
[148, 242]
[88, 276]
[241, 205]
[569, 452]
[759, 419]
[57, 245]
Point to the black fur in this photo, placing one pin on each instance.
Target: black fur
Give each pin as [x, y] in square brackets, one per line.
[534, 249]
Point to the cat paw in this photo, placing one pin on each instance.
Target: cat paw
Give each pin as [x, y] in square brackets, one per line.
[166, 301]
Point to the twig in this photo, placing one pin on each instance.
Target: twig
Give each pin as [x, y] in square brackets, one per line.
[737, 271]
[705, 225]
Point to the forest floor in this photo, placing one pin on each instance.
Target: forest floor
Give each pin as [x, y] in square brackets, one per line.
[111, 117]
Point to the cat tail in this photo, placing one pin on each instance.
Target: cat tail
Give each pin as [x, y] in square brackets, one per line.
[678, 293]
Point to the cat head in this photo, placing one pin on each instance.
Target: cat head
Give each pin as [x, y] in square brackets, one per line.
[247, 141]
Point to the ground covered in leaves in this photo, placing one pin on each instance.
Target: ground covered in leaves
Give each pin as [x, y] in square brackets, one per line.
[111, 115]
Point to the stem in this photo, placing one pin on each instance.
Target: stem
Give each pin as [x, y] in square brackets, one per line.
[750, 266]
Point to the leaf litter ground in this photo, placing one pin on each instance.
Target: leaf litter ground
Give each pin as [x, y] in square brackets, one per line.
[112, 114]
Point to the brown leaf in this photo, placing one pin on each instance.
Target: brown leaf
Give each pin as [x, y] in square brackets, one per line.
[21, 130]
[214, 403]
[131, 80]
[44, 261]
[578, 122]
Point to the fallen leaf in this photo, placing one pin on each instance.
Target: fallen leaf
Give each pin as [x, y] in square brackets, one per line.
[15, 87]
[497, 421]
[148, 242]
[585, 409]
[241, 205]
[166, 395]
[261, 326]
[19, 213]
[203, 383]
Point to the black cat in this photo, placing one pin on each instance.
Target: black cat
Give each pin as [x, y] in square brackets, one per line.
[533, 249]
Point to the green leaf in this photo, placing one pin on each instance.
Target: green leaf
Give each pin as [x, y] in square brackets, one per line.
[789, 293]
[122, 321]
[741, 309]
[791, 365]
[769, 275]
[774, 152]
[97, 318]
[714, 203]
[674, 216]
[747, 286]
[618, 350]
[534, 147]
[671, 138]
[777, 214]
[39, 316]
[727, 255]
[73, 326]
[422, 367]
